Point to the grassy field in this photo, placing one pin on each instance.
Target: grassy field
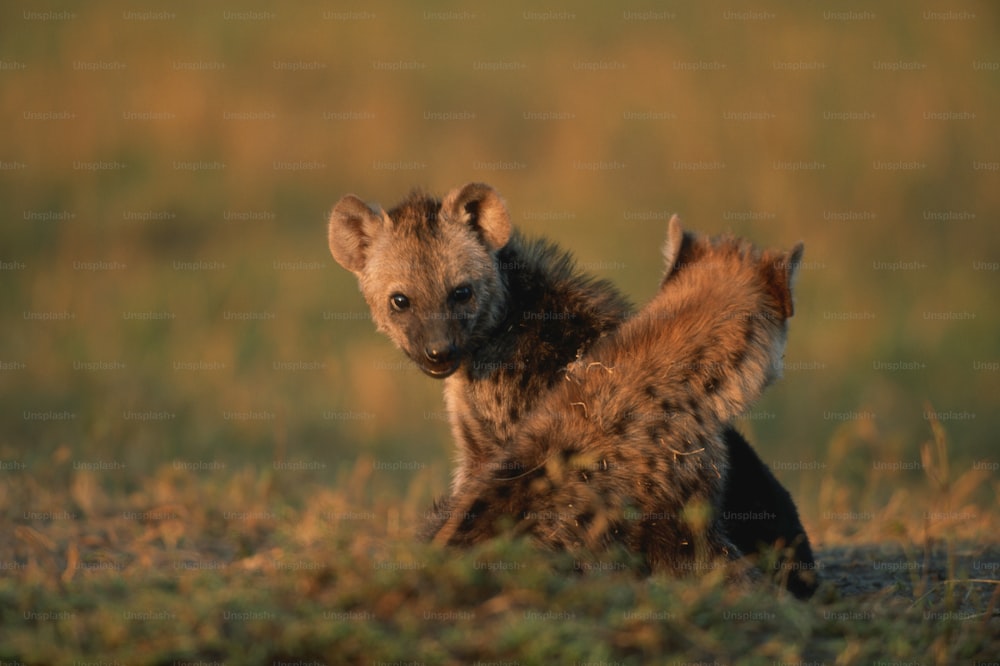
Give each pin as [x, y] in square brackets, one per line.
[276, 566]
[206, 453]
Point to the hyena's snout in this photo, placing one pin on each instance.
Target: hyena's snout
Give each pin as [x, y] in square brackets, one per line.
[440, 358]
[443, 343]
[441, 353]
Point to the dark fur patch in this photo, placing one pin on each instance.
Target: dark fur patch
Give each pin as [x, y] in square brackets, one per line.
[569, 455]
[467, 431]
[417, 215]
[478, 508]
[503, 491]
[653, 432]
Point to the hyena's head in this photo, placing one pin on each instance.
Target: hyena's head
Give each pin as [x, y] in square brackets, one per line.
[761, 280]
[428, 269]
[773, 271]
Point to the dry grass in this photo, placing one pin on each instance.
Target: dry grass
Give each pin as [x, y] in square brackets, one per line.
[251, 566]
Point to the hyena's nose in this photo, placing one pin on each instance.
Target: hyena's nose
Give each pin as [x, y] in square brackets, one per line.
[439, 353]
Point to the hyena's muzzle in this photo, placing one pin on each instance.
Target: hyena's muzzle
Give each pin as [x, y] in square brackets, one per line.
[440, 359]
[441, 347]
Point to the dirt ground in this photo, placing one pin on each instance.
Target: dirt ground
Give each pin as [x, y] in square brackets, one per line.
[912, 572]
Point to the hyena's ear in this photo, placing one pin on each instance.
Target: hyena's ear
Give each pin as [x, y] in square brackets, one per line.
[672, 246]
[479, 206]
[784, 269]
[353, 225]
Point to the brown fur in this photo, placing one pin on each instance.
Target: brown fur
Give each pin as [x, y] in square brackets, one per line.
[530, 312]
[629, 449]
[510, 344]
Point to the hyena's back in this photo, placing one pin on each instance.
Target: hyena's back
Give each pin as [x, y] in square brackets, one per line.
[629, 449]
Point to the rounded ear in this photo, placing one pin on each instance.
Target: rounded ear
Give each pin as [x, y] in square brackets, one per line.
[353, 225]
[672, 246]
[479, 206]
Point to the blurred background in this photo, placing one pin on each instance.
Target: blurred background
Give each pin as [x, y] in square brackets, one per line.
[166, 173]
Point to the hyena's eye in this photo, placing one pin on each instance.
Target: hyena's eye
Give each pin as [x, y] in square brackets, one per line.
[461, 294]
[399, 302]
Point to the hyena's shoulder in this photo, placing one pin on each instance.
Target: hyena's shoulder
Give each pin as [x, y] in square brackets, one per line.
[554, 313]
[556, 303]
[539, 269]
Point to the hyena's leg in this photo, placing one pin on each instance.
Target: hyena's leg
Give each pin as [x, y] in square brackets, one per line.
[759, 514]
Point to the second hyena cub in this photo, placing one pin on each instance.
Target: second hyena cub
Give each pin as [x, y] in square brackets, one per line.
[629, 449]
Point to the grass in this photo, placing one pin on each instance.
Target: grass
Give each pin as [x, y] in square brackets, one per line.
[271, 566]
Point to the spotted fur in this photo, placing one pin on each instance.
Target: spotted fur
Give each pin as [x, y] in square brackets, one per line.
[532, 314]
[629, 449]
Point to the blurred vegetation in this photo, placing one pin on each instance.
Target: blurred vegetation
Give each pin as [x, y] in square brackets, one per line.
[230, 130]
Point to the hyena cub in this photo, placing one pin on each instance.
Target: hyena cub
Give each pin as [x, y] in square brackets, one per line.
[499, 317]
[628, 449]
[469, 300]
